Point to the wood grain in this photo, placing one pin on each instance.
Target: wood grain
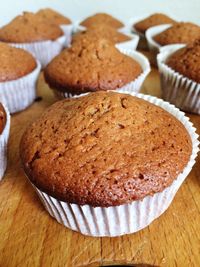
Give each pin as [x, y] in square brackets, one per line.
[30, 237]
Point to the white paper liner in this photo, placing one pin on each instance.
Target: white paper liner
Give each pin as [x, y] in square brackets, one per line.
[44, 51]
[127, 218]
[133, 86]
[68, 30]
[177, 89]
[129, 26]
[19, 94]
[151, 33]
[4, 142]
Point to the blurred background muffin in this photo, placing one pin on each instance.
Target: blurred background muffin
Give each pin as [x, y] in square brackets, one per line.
[102, 18]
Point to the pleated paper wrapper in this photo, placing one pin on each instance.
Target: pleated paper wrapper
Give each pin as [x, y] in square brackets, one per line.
[44, 51]
[129, 26]
[20, 93]
[68, 31]
[177, 89]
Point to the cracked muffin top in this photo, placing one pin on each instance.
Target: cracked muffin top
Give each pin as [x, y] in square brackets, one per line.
[106, 32]
[2, 118]
[53, 16]
[91, 66]
[29, 28]
[179, 33]
[186, 61]
[153, 20]
[104, 149]
[15, 63]
[102, 18]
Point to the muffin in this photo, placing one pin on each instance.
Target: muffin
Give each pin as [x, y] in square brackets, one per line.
[102, 18]
[106, 32]
[153, 20]
[179, 33]
[58, 19]
[4, 134]
[18, 75]
[105, 149]
[28, 31]
[180, 74]
[124, 40]
[92, 66]
[28, 28]
[53, 16]
[186, 61]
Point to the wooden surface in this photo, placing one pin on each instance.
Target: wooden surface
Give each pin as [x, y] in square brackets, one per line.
[30, 237]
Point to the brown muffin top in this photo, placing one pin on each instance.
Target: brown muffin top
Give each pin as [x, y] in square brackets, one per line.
[53, 16]
[102, 18]
[29, 28]
[153, 20]
[182, 33]
[14, 63]
[91, 66]
[186, 61]
[104, 149]
[2, 118]
[102, 31]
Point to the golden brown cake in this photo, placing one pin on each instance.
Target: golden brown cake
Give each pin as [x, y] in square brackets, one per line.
[106, 32]
[2, 118]
[15, 63]
[53, 16]
[153, 20]
[186, 61]
[29, 28]
[91, 66]
[102, 18]
[104, 149]
[179, 33]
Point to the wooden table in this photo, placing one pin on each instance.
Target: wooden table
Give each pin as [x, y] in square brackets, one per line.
[30, 237]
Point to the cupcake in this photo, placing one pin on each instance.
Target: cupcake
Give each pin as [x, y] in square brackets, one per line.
[4, 134]
[108, 164]
[179, 66]
[93, 65]
[179, 33]
[142, 25]
[18, 75]
[54, 17]
[102, 18]
[156, 19]
[102, 31]
[28, 31]
[126, 40]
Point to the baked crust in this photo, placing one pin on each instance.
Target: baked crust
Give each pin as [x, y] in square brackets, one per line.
[15, 63]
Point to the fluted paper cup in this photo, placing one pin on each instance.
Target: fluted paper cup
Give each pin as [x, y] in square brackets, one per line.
[20, 93]
[177, 89]
[154, 47]
[133, 86]
[128, 218]
[4, 142]
[68, 30]
[44, 51]
[129, 26]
